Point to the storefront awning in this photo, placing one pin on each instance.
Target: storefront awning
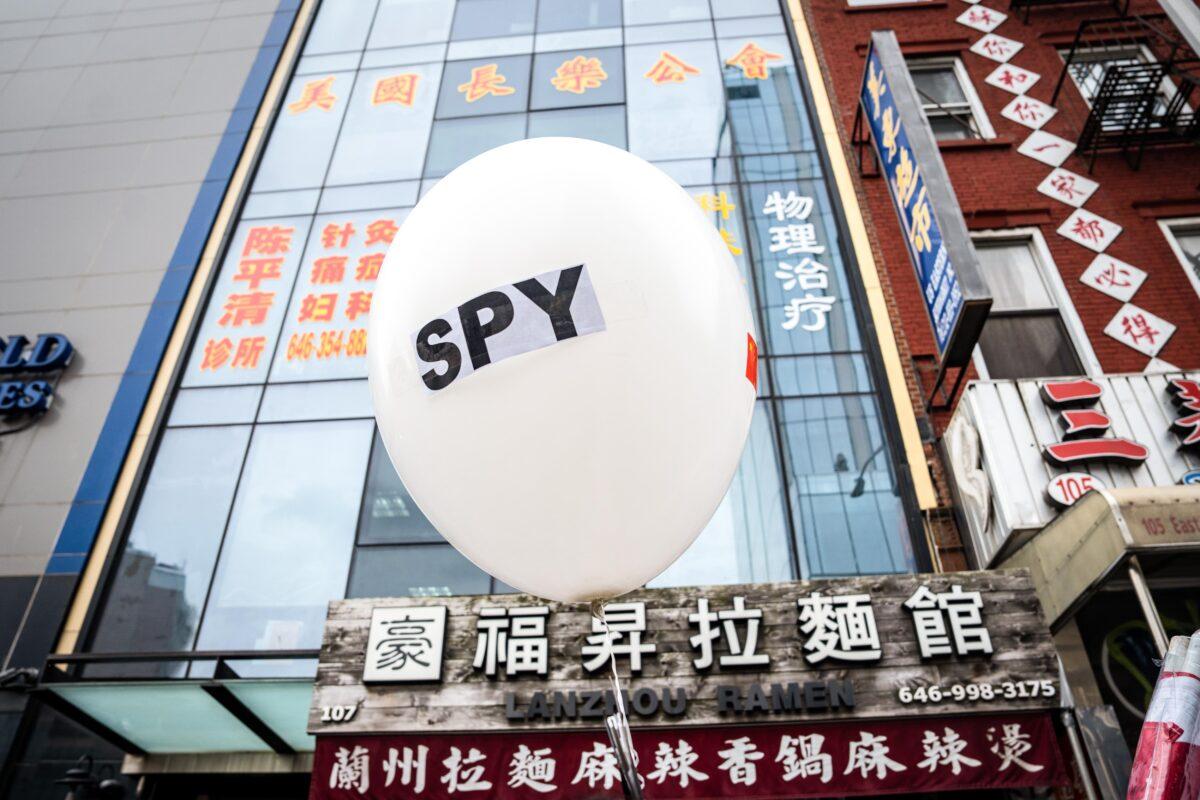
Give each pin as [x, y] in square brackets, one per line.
[1071, 557]
[221, 714]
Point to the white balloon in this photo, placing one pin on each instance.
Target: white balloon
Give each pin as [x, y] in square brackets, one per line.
[581, 469]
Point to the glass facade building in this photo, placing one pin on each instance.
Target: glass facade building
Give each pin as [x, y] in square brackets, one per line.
[269, 493]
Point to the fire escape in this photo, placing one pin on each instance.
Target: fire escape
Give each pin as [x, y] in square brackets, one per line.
[1142, 80]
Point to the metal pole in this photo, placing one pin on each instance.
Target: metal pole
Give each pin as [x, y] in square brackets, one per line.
[1153, 620]
[1089, 786]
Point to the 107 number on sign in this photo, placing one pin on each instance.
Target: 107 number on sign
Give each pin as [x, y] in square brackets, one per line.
[973, 692]
[338, 713]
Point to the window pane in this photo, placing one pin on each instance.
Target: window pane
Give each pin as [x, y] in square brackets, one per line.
[458, 140]
[766, 114]
[670, 120]
[302, 139]
[1188, 241]
[387, 126]
[340, 27]
[1011, 272]
[164, 572]
[484, 86]
[602, 124]
[937, 85]
[389, 514]
[325, 334]
[290, 537]
[1027, 346]
[243, 317]
[578, 78]
[945, 126]
[570, 15]
[845, 527]
[435, 570]
[648, 12]
[407, 22]
[746, 540]
[481, 19]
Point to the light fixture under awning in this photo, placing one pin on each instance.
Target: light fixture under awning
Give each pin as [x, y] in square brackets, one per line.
[1071, 557]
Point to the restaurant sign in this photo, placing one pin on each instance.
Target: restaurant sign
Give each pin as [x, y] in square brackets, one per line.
[763, 761]
[887, 646]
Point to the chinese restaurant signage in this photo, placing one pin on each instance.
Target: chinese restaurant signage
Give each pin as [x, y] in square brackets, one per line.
[1054, 440]
[893, 646]
[24, 387]
[938, 243]
[765, 761]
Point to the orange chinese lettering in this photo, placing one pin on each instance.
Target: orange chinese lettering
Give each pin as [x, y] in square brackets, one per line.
[669, 69]
[216, 353]
[485, 80]
[246, 309]
[330, 269]
[248, 351]
[381, 230]
[315, 93]
[752, 60]
[357, 304]
[336, 235]
[318, 307]
[268, 241]
[716, 202]
[256, 270]
[368, 267]
[400, 89]
[578, 75]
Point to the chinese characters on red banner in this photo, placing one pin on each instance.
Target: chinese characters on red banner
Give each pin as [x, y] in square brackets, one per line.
[1083, 428]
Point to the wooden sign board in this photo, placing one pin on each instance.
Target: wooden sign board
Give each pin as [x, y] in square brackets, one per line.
[870, 647]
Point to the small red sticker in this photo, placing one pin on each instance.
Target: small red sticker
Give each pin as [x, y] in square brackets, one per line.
[752, 361]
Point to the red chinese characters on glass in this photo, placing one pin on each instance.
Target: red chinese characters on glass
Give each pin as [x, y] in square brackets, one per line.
[1084, 428]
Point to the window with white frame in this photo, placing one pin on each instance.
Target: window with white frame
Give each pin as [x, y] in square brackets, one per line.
[1032, 330]
[1088, 65]
[1184, 238]
[948, 98]
[863, 3]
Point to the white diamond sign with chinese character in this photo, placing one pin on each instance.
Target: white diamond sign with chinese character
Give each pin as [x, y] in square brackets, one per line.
[694, 656]
[981, 18]
[1028, 112]
[1068, 187]
[1012, 78]
[1090, 230]
[996, 47]
[1046, 148]
[1140, 329]
[1113, 277]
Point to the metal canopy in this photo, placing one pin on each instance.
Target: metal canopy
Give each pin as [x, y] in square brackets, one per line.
[1072, 556]
[222, 714]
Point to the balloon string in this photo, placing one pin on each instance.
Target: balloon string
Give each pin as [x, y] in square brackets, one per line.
[619, 734]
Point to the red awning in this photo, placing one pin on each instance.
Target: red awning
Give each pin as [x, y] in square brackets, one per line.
[746, 762]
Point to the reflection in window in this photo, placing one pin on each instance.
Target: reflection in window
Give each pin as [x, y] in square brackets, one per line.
[571, 15]
[673, 120]
[163, 575]
[389, 515]
[427, 570]
[387, 126]
[602, 124]
[948, 99]
[482, 19]
[649, 12]
[290, 536]
[456, 141]
[845, 501]
[302, 139]
[408, 22]
[746, 539]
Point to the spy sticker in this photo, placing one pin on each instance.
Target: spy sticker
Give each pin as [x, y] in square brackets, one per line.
[505, 322]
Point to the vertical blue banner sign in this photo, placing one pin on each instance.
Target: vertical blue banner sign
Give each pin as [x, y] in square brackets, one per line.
[954, 294]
